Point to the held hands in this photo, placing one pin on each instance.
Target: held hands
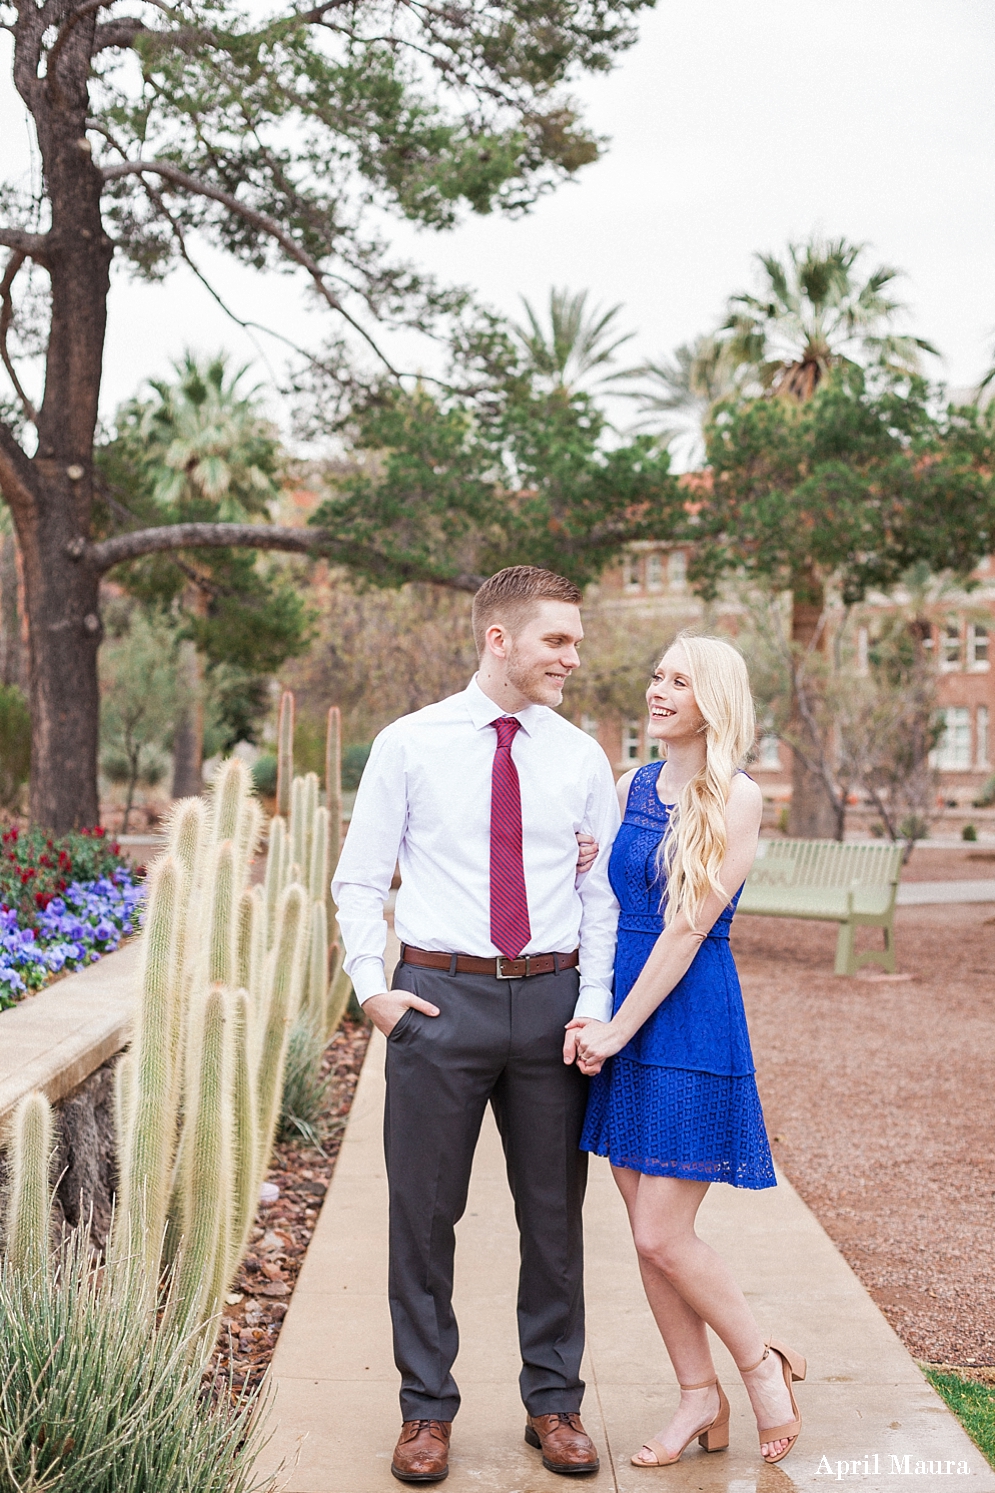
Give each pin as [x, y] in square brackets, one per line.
[587, 852]
[590, 1043]
[386, 1010]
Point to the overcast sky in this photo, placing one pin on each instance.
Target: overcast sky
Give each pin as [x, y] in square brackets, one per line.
[734, 125]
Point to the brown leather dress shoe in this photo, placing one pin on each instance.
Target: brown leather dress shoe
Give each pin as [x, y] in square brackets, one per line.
[565, 1445]
[422, 1451]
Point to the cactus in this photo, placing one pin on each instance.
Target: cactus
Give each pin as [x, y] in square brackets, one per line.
[247, 835]
[316, 989]
[246, 943]
[333, 782]
[245, 1193]
[232, 787]
[311, 790]
[30, 1195]
[282, 992]
[147, 1150]
[339, 991]
[124, 1094]
[285, 754]
[223, 916]
[298, 824]
[206, 1177]
[318, 869]
[274, 873]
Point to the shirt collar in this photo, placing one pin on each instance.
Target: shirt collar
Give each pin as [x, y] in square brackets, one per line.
[483, 711]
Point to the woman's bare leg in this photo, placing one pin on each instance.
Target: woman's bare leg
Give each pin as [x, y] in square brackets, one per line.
[688, 1285]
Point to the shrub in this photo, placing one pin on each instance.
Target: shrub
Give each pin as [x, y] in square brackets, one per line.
[97, 1396]
[354, 759]
[264, 775]
[15, 744]
[305, 1089]
[914, 827]
[969, 833]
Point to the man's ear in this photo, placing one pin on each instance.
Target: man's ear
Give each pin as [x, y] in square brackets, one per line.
[496, 640]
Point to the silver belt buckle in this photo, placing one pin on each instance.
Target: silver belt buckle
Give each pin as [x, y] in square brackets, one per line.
[499, 973]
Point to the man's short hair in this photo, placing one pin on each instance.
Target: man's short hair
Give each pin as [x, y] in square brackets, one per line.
[512, 597]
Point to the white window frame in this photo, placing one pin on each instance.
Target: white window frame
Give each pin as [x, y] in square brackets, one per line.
[951, 646]
[630, 743]
[654, 571]
[631, 579]
[953, 750]
[769, 754]
[590, 725]
[981, 748]
[978, 640]
[677, 570]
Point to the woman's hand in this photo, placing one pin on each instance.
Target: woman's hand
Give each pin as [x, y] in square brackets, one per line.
[587, 852]
[595, 1042]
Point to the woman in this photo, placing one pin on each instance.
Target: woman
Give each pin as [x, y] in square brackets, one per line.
[674, 1101]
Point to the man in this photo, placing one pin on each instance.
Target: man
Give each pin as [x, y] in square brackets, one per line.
[479, 798]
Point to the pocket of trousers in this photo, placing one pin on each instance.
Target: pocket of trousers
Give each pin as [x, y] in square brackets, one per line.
[402, 1021]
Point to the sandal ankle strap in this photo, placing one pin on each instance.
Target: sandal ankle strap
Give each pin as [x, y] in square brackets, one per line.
[763, 1357]
[705, 1384]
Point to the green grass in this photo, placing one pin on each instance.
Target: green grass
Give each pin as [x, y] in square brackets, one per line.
[973, 1404]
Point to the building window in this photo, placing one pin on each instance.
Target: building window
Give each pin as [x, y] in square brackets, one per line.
[950, 645]
[977, 647]
[677, 569]
[630, 573]
[981, 738]
[953, 750]
[769, 756]
[652, 749]
[590, 725]
[630, 742]
[654, 571]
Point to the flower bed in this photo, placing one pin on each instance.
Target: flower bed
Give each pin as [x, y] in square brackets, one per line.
[63, 904]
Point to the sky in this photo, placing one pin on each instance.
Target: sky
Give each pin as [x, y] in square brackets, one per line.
[735, 126]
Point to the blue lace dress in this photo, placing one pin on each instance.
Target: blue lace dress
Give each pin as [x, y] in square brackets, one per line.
[680, 1100]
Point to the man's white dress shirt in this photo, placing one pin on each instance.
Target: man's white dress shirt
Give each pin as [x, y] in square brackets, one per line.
[425, 803]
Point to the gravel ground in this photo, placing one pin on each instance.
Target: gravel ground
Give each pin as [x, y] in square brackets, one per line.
[878, 1099]
[973, 863]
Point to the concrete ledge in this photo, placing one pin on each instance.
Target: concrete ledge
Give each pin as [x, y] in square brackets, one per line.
[54, 1040]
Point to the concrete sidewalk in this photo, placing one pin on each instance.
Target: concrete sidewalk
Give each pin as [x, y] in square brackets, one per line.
[926, 893]
[335, 1414]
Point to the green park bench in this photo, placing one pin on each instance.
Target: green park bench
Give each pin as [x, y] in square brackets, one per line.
[853, 885]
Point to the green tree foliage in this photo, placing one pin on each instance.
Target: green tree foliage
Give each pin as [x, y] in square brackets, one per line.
[138, 687]
[857, 484]
[15, 744]
[500, 470]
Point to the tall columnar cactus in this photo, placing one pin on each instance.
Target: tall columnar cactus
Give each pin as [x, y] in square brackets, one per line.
[248, 833]
[319, 871]
[206, 1175]
[147, 1145]
[333, 782]
[29, 1208]
[298, 830]
[315, 999]
[312, 789]
[246, 941]
[245, 1161]
[283, 994]
[231, 789]
[222, 933]
[285, 754]
[275, 862]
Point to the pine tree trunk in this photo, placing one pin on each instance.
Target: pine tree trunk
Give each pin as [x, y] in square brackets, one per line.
[813, 815]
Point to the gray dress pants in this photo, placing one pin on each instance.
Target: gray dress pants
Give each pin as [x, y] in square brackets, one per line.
[499, 1041]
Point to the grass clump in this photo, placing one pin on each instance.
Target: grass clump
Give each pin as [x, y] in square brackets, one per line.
[305, 1087]
[100, 1393]
[972, 1403]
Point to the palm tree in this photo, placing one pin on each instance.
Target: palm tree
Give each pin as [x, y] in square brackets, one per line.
[204, 444]
[678, 396]
[575, 344]
[813, 312]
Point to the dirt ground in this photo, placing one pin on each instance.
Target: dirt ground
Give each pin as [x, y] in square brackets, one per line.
[878, 1100]
[973, 863]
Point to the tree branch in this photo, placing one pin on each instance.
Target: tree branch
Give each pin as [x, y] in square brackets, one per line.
[33, 245]
[259, 220]
[122, 547]
[15, 472]
[6, 317]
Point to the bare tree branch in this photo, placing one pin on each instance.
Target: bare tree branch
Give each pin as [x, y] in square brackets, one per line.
[34, 245]
[6, 317]
[259, 220]
[121, 547]
[15, 472]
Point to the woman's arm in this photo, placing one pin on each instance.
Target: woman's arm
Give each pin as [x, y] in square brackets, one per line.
[673, 953]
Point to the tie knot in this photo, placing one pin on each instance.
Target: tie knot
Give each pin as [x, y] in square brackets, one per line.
[506, 726]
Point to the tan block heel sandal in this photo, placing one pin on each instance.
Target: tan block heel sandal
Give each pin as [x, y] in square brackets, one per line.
[794, 1368]
[713, 1438]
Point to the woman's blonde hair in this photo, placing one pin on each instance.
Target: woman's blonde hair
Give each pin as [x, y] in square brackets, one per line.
[692, 851]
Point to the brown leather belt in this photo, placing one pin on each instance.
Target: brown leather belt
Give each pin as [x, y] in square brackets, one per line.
[501, 968]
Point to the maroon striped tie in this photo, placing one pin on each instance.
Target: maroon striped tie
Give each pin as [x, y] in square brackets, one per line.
[510, 930]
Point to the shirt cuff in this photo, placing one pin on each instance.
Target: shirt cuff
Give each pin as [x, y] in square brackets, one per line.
[595, 1002]
[368, 979]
